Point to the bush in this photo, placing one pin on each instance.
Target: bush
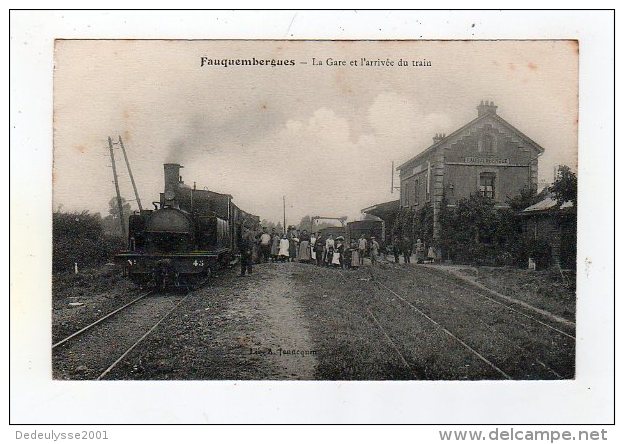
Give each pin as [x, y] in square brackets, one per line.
[474, 232]
[538, 249]
[78, 237]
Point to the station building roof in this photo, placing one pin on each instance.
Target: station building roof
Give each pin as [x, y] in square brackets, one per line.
[549, 203]
[383, 210]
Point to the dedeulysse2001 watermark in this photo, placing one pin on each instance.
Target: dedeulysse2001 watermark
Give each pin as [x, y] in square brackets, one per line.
[51, 435]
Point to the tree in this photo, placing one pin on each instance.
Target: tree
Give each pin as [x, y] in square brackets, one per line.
[78, 237]
[272, 225]
[527, 197]
[403, 223]
[564, 190]
[471, 231]
[306, 223]
[422, 225]
[113, 207]
[509, 228]
[111, 222]
[565, 185]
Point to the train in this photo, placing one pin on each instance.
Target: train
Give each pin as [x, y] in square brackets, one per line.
[188, 235]
[353, 230]
[368, 228]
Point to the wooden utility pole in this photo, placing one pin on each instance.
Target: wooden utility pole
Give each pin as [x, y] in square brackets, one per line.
[119, 204]
[136, 193]
[284, 204]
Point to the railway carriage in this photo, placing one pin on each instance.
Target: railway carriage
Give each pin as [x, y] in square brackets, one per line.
[368, 228]
[187, 235]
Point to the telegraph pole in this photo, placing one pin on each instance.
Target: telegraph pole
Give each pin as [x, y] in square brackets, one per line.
[284, 204]
[119, 205]
[136, 193]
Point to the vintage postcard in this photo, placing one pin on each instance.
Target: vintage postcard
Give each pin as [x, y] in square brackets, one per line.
[314, 210]
[323, 217]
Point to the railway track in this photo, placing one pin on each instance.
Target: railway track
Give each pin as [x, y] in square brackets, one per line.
[387, 336]
[94, 351]
[503, 337]
[506, 332]
[98, 321]
[556, 327]
[449, 333]
[138, 341]
[556, 324]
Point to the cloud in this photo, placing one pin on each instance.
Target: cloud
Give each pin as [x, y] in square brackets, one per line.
[403, 125]
[322, 166]
[323, 137]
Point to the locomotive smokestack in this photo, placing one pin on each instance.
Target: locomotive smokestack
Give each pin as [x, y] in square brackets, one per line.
[172, 177]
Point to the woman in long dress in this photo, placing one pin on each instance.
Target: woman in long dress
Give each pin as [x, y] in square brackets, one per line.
[304, 247]
[431, 254]
[312, 244]
[294, 241]
[284, 246]
[355, 256]
[275, 241]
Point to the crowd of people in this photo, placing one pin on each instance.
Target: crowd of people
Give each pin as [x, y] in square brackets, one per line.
[324, 250]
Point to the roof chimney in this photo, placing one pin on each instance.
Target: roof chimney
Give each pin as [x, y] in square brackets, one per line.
[486, 108]
[438, 137]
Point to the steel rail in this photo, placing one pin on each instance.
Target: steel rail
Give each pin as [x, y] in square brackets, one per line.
[508, 307]
[448, 332]
[513, 344]
[145, 335]
[98, 321]
[396, 349]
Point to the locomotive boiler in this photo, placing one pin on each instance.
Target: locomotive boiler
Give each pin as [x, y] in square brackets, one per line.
[189, 234]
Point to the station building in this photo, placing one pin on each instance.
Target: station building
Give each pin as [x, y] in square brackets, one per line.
[487, 155]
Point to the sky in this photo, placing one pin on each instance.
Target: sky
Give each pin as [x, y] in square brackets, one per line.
[323, 136]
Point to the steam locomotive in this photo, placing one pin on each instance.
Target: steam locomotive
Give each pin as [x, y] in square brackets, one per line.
[189, 234]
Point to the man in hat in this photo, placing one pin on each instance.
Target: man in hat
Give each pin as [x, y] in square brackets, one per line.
[396, 248]
[265, 245]
[361, 249]
[407, 249]
[246, 249]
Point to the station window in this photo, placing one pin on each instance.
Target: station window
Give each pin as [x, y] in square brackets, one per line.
[486, 184]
